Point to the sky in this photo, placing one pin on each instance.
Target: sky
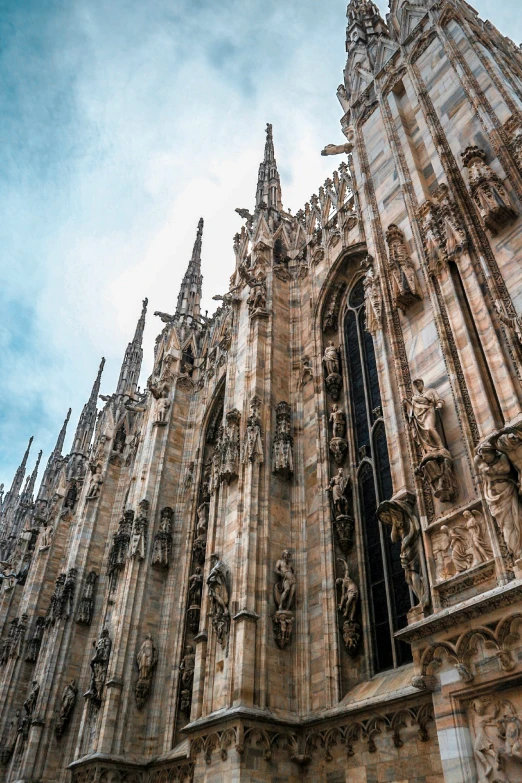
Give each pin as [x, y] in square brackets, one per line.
[124, 122]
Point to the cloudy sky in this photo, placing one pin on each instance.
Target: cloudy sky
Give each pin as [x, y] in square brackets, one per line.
[123, 122]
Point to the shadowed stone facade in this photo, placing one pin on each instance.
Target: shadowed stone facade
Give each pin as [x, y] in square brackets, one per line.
[297, 554]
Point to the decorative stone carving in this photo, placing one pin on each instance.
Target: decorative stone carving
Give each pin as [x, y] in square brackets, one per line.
[96, 482]
[372, 296]
[253, 449]
[501, 493]
[162, 545]
[513, 323]
[99, 666]
[331, 314]
[340, 492]
[476, 527]
[307, 373]
[200, 543]
[69, 695]
[72, 495]
[120, 545]
[497, 739]
[146, 660]
[488, 191]
[138, 544]
[332, 365]
[338, 445]
[451, 230]
[9, 745]
[398, 514]
[35, 642]
[186, 667]
[230, 447]
[459, 547]
[348, 602]
[61, 603]
[433, 242]
[257, 298]
[5, 647]
[195, 592]
[45, 538]
[86, 604]
[422, 411]
[218, 582]
[215, 470]
[283, 461]
[32, 699]
[405, 289]
[161, 408]
[284, 594]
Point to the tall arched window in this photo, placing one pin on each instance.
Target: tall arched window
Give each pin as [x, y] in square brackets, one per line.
[388, 594]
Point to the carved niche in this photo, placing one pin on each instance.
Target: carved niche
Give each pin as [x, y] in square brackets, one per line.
[338, 444]
[195, 593]
[253, 446]
[69, 696]
[372, 296]
[61, 603]
[347, 608]
[284, 595]
[331, 314]
[120, 544]
[200, 542]
[283, 461]
[488, 191]
[340, 492]
[403, 279]
[423, 416]
[218, 583]
[99, 666]
[35, 642]
[146, 661]
[186, 667]
[138, 543]
[162, 546]
[332, 368]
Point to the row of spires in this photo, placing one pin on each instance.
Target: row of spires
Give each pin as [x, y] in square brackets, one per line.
[268, 194]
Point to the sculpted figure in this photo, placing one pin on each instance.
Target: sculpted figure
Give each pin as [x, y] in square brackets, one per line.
[338, 487]
[479, 546]
[162, 407]
[514, 324]
[163, 539]
[338, 422]
[486, 758]
[421, 413]
[99, 665]
[69, 695]
[219, 596]
[96, 482]
[30, 702]
[349, 593]
[196, 587]
[285, 588]
[146, 659]
[202, 523]
[441, 552]
[331, 359]
[509, 442]
[186, 667]
[257, 298]
[86, 605]
[501, 493]
[459, 543]
[46, 537]
[254, 443]
[405, 528]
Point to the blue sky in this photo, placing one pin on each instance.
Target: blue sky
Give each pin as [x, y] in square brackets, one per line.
[123, 122]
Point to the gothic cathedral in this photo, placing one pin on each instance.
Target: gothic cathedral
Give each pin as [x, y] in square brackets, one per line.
[297, 554]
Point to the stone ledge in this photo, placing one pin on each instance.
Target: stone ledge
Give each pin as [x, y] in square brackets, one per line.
[506, 595]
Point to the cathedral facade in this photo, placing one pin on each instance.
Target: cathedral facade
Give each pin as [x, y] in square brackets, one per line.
[297, 554]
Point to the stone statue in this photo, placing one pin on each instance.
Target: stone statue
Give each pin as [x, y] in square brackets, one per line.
[405, 528]
[337, 149]
[165, 317]
[338, 487]
[488, 191]
[219, 596]
[35, 642]
[196, 587]
[146, 659]
[284, 592]
[436, 464]
[86, 605]
[283, 459]
[162, 545]
[162, 407]
[349, 593]
[257, 298]
[12, 736]
[69, 695]
[338, 421]
[99, 666]
[200, 544]
[331, 359]
[460, 547]
[96, 482]
[46, 537]
[71, 496]
[372, 297]
[475, 525]
[138, 543]
[253, 440]
[403, 279]
[501, 493]
[30, 702]
[186, 667]
[513, 323]
[444, 566]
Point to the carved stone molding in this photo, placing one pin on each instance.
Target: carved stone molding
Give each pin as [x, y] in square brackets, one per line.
[331, 312]
[162, 546]
[488, 191]
[405, 288]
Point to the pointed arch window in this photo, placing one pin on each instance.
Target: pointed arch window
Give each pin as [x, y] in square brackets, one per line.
[389, 597]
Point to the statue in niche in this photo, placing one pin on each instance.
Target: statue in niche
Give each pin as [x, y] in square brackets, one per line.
[284, 594]
[253, 440]
[460, 547]
[69, 696]
[195, 593]
[219, 595]
[488, 191]
[433, 246]
[283, 461]
[256, 301]
[200, 543]
[444, 566]
[162, 546]
[230, 447]
[332, 365]
[338, 445]
[146, 660]
[86, 605]
[372, 296]
[35, 642]
[475, 525]
[501, 493]
[347, 607]
[30, 702]
[187, 667]
[215, 469]
[99, 666]
[340, 490]
[398, 514]
[9, 745]
[405, 289]
[162, 407]
[46, 538]
[138, 542]
[422, 412]
[72, 495]
[96, 482]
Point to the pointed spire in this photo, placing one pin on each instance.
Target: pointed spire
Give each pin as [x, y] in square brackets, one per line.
[131, 366]
[189, 297]
[87, 421]
[61, 436]
[19, 476]
[29, 489]
[268, 182]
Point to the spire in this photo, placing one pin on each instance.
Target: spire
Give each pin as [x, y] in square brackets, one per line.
[61, 437]
[20, 473]
[87, 422]
[268, 183]
[189, 296]
[131, 366]
[32, 481]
